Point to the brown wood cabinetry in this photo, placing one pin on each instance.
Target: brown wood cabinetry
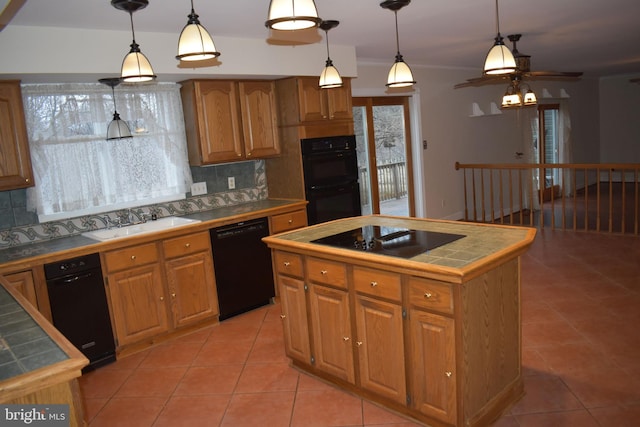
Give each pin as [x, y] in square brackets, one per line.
[228, 120]
[307, 103]
[33, 286]
[149, 298]
[190, 278]
[440, 344]
[15, 159]
[288, 221]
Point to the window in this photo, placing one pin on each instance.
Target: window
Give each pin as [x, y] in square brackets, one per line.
[78, 172]
[546, 141]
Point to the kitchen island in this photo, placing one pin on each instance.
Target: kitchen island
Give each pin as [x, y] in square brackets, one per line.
[421, 316]
[38, 365]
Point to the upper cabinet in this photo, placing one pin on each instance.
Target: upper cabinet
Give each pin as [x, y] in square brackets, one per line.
[15, 161]
[304, 102]
[228, 120]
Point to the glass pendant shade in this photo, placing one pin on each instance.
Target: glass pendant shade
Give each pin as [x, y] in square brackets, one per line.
[118, 128]
[292, 15]
[530, 98]
[136, 68]
[499, 60]
[511, 100]
[400, 74]
[330, 77]
[195, 42]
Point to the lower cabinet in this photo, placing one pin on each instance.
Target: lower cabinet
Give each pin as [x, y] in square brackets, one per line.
[149, 297]
[294, 318]
[33, 286]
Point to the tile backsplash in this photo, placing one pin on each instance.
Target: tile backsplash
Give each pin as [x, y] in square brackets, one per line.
[18, 226]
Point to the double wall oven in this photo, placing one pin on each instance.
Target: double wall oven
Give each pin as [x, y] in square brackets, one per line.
[330, 168]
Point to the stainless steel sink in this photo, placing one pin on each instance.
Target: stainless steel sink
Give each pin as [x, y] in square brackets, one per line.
[138, 229]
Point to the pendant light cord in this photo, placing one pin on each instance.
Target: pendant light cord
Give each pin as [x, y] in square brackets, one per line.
[326, 36]
[395, 12]
[497, 19]
[133, 33]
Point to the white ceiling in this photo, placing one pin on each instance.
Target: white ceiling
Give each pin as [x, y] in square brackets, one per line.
[597, 37]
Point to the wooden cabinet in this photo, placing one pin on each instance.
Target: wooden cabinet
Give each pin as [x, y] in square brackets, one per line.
[155, 288]
[309, 104]
[136, 293]
[288, 221]
[379, 325]
[190, 278]
[33, 286]
[15, 159]
[228, 121]
[24, 283]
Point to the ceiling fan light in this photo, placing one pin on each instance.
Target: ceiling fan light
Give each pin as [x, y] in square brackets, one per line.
[499, 60]
[530, 98]
[292, 15]
[400, 74]
[330, 77]
[511, 100]
[136, 68]
[195, 42]
[118, 128]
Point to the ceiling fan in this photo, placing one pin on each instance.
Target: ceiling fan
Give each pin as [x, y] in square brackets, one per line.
[522, 72]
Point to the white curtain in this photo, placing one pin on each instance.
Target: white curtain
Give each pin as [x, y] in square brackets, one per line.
[78, 172]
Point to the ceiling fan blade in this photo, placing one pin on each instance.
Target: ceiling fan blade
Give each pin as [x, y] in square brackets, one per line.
[635, 80]
[484, 80]
[552, 75]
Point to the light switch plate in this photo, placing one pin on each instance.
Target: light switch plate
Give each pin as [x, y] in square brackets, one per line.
[198, 188]
[232, 182]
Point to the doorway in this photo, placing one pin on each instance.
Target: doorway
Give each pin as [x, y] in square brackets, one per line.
[383, 142]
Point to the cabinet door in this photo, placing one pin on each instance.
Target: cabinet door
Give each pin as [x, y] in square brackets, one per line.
[318, 104]
[220, 138]
[339, 101]
[332, 340]
[15, 160]
[192, 288]
[294, 318]
[259, 119]
[380, 348]
[137, 303]
[23, 282]
[433, 361]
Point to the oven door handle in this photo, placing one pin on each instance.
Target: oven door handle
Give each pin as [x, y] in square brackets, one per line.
[333, 186]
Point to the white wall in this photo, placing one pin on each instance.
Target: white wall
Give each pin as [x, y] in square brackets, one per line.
[619, 120]
[452, 136]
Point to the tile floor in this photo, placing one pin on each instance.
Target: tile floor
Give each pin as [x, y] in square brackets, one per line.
[581, 357]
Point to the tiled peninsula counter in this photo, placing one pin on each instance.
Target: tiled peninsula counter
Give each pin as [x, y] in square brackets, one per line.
[37, 364]
[431, 332]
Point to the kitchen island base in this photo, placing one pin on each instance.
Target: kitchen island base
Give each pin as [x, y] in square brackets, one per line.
[439, 344]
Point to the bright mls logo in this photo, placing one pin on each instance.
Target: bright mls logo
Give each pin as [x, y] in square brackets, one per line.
[34, 415]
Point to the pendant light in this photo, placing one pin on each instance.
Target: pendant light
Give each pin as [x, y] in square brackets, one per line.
[518, 95]
[400, 74]
[292, 15]
[118, 128]
[136, 67]
[499, 60]
[330, 76]
[195, 42]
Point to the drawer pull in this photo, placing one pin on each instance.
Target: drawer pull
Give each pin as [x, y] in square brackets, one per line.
[345, 339]
[323, 272]
[287, 263]
[358, 343]
[133, 257]
[448, 374]
[282, 316]
[374, 284]
[161, 298]
[173, 295]
[428, 294]
[187, 245]
[290, 221]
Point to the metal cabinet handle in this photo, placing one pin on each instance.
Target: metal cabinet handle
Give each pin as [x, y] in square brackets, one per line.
[323, 272]
[133, 257]
[173, 295]
[287, 263]
[187, 245]
[282, 316]
[345, 339]
[448, 374]
[428, 295]
[374, 284]
[358, 343]
[161, 298]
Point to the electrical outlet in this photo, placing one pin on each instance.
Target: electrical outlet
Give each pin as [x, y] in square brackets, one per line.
[198, 188]
[232, 182]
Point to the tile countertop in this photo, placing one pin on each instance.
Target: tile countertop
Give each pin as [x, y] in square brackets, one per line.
[214, 217]
[482, 243]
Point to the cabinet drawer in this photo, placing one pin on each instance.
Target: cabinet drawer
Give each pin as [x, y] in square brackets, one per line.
[288, 221]
[327, 272]
[377, 283]
[430, 294]
[131, 257]
[288, 263]
[185, 245]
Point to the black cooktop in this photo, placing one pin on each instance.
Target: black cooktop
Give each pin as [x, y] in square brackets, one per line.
[392, 241]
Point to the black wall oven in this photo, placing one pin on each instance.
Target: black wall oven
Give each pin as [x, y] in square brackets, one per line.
[330, 168]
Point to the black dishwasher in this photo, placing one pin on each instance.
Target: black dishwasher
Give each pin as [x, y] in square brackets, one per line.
[242, 263]
[79, 307]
